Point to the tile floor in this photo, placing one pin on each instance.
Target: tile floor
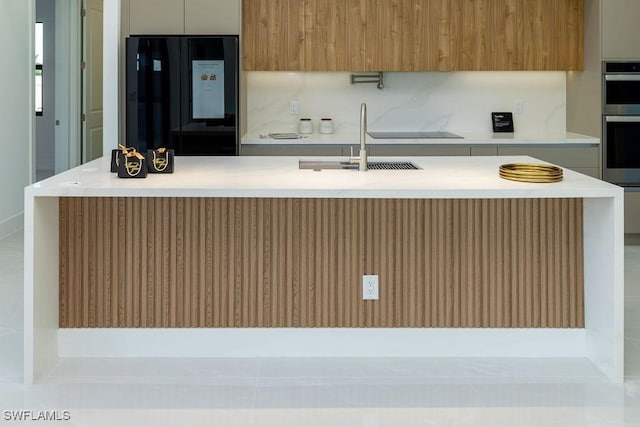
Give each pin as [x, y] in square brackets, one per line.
[318, 392]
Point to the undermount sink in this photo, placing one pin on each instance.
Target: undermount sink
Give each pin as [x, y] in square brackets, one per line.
[392, 166]
[324, 164]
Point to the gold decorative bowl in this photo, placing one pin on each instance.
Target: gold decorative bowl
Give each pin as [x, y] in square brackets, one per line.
[530, 172]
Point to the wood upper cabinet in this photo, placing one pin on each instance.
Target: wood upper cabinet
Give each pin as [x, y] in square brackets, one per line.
[324, 41]
[412, 35]
[401, 35]
[550, 34]
[267, 31]
[295, 35]
[483, 35]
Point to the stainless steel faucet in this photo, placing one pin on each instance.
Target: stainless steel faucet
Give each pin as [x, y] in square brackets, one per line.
[362, 158]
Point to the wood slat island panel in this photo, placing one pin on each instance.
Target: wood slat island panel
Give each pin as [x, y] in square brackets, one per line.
[261, 262]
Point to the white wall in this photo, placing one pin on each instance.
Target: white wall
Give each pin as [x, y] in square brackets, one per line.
[455, 101]
[16, 108]
[110, 75]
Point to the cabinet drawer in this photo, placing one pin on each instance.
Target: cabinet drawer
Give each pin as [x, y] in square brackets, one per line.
[488, 150]
[291, 150]
[418, 150]
[592, 172]
[571, 157]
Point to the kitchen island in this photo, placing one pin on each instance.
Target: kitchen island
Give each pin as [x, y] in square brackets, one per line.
[251, 256]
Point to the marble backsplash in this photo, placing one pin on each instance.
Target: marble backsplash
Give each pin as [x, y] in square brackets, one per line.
[454, 101]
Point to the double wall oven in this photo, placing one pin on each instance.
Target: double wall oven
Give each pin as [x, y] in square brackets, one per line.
[621, 123]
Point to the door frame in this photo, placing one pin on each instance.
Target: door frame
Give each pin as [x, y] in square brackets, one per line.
[68, 133]
[88, 84]
[68, 84]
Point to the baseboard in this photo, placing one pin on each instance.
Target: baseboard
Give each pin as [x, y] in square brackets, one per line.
[11, 225]
[321, 342]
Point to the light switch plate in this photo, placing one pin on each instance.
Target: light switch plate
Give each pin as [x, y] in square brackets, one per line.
[294, 107]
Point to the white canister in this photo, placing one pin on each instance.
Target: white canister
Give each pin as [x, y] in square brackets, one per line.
[326, 125]
[305, 126]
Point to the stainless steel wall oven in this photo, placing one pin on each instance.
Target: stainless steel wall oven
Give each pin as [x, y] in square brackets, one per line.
[621, 122]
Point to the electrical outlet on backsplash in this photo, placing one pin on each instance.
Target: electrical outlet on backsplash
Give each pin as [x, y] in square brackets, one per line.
[454, 101]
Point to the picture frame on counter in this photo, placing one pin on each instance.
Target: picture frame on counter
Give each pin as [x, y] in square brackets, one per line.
[502, 121]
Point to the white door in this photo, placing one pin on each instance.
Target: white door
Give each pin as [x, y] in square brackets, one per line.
[92, 80]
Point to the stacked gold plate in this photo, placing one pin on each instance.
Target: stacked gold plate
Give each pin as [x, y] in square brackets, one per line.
[530, 172]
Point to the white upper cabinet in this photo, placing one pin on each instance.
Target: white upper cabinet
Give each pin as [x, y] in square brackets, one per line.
[156, 17]
[620, 29]
[210, 17]
[220, 17]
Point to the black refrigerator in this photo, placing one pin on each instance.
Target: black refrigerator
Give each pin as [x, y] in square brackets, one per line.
[182, 93]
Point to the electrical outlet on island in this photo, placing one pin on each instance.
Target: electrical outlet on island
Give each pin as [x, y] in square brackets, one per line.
[370, 287]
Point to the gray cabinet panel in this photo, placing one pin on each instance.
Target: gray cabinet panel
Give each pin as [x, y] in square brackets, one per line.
[619, 29]
[219, 17]
[156, 17]
[291, 150]
[488, 150]
[580, 157]
[418, 150]
[211, 17]
[592, 172]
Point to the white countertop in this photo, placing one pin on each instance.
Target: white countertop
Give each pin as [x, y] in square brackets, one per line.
[440, 177]
[567, 138]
